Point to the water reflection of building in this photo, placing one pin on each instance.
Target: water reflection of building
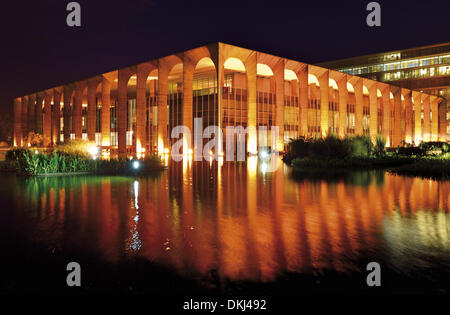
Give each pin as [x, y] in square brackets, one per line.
[133, 110]
[245, 224]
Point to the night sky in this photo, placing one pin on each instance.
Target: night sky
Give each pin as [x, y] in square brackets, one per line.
[40, 51]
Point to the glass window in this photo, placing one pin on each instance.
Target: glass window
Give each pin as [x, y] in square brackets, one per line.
[445, 59]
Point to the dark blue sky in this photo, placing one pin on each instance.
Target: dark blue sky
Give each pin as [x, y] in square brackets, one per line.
[39, 50]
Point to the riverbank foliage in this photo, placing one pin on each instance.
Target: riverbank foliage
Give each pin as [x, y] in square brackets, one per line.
[329, 147]
[27, 162]
[429, 159]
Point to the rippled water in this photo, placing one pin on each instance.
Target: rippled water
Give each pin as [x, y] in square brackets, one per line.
[245, 223]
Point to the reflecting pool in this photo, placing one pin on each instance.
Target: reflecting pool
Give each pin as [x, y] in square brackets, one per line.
[237, 219]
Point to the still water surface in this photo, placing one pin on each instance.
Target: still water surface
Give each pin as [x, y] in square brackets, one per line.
[239, 220]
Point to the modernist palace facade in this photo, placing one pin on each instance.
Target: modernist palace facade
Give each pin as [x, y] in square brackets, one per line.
[131, 111]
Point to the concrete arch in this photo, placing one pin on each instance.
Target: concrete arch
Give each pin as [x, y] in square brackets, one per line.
[248, 58]
[263, 70]
[199, 55]
[125, 88]
[165, 66]
[365, 90]
[69, 93]
[47, 116]
[205, 63]
[234, 64]
[109, 81]
[350, 87]
[271, 69]
[202, 92]
[175, 96]
[84, 111]
[18, 137]
[58, 104]
[312, 79]
[142, 83]
[332, 83]
[239, 65]
[93, 94]
[80, 89]
[31, 112]
[24, 115]
[290, 75]
[39, 112]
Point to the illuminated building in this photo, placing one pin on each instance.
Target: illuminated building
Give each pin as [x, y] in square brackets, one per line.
[225, 85]
[426, 69]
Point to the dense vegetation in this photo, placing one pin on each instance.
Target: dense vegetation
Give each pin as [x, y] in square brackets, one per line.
[27, 162]
[430, 159]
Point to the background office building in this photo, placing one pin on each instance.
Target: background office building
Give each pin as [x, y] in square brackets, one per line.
[424, 69]
[131, 111]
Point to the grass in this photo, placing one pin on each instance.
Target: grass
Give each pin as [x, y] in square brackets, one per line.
[334, 156]
[26, 162]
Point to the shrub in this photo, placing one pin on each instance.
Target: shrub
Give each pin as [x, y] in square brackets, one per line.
[379, 148]
[411, 151]
[15, 154]
[330, 147]
[360, 146]
[37, 140]
[27, 162]
[76, 147]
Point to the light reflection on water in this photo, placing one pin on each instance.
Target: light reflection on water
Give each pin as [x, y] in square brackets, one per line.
[240, 220]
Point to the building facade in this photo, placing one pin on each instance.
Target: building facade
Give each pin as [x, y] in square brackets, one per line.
[425, 69]
[131, 111]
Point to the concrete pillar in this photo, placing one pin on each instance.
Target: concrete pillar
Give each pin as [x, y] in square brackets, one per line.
[343, 96]
[188, 115]
[56, 115]
[397, 123]
[17, 122]
[47, 129]
[122, 102]
[442, 114]
[67, 129]
[303, 101]
[324, 98]
[38, 112]
[278, 71]
[106, 114]
[386, 101]
[77, 110]
[408, 116]
[251, 68]
[218, 60]
[426, 117]
[141, 107]
[373, 112]
[163, 74]
[141, 103]
[24, 116]
[434, 118]
[417, 100]
[31, 112]
[359, 106]
[91, 108]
